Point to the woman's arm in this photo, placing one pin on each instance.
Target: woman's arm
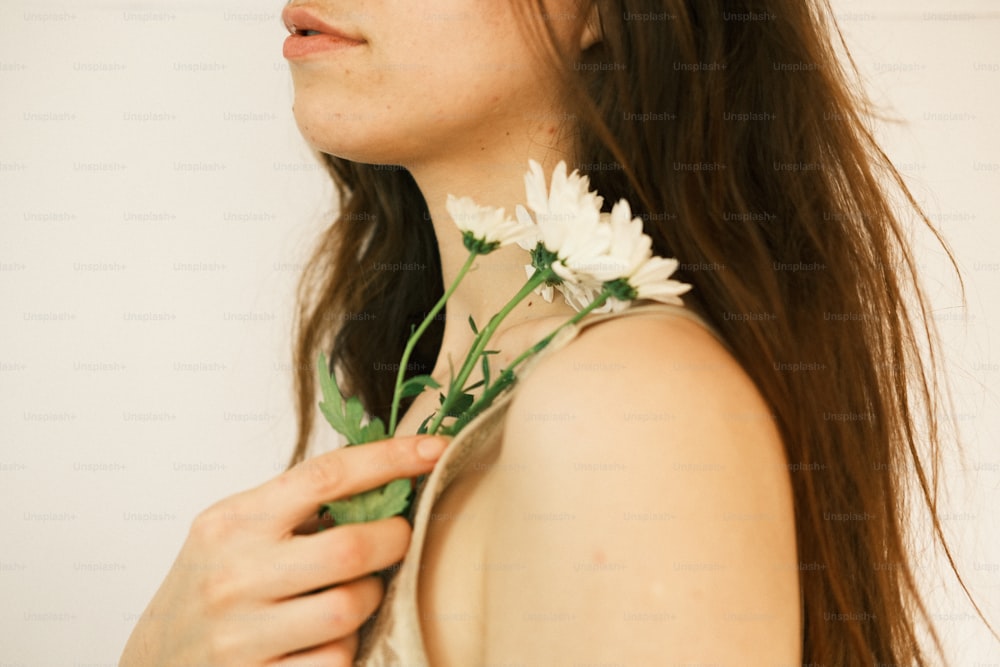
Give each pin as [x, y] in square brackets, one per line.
[241, 592]
[647, 500]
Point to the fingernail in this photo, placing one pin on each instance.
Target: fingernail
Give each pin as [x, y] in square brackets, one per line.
[431, 448]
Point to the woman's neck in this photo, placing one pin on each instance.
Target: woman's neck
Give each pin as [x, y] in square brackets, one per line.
[494, 278]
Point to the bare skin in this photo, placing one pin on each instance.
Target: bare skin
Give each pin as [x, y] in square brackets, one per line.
[638, 512]
[248, 589]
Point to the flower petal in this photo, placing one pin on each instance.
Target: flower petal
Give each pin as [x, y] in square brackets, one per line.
[487, 224]
[535, 189]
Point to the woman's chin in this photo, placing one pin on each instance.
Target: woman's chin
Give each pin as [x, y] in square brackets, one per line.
[349, 142]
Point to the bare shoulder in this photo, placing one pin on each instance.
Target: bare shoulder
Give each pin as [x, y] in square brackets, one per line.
[643, 495]
[650, 372]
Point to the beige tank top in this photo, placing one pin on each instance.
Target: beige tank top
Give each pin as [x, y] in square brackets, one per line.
[392, 638]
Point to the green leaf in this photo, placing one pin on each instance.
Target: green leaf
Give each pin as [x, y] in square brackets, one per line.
[460, 405]
[344, 416]
[504, 380]
[332, 406]
[423, 425]
[381, 503]
[355, 411]
[477, 385]
[335, 419]
[451, 378]
[373, 430]
[416, 384]
[486, 370]
[331, 393]
[472, 323]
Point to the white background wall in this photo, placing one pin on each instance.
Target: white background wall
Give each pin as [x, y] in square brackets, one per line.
[156, 204]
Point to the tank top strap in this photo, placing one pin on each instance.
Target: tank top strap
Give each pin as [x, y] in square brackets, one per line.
[654, 307]
[643, 308]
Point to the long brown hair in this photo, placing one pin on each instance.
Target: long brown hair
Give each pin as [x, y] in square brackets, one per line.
[741, 136]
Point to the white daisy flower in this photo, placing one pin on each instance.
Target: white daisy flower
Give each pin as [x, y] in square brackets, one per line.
[579, 296]
[630, 260]
[650, 281]
[567, 216]
[628, 247]
[484, 228]
[591, 250]
[565, 196]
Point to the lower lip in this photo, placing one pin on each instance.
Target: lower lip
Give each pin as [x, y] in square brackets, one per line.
[300, 46]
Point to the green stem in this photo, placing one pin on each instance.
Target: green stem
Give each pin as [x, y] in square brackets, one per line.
[504, 380]
[507, 375]
[479, 344]
[537, 347]
[412, 342]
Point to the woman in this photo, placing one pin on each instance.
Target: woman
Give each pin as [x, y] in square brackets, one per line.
[672, 485]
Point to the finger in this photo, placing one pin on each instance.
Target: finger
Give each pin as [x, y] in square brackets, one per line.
[335, 654]
[297, 493]
[332, 614]
[314, 524]
[340, 554]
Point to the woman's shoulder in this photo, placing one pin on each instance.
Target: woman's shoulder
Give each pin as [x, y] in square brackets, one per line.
[653, 374]
[650, 384]
[645, 353]
[626, 455]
